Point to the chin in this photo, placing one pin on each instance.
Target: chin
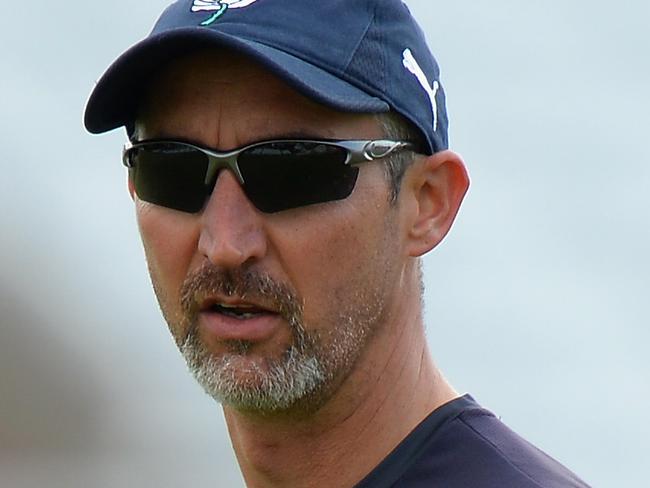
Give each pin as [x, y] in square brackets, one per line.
[246, 381]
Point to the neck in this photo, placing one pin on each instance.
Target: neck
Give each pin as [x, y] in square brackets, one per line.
[393, 387]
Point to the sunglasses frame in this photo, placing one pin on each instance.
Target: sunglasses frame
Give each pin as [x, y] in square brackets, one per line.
[358, 152]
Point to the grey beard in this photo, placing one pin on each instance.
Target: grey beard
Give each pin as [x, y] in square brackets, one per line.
[276, 385]
[308, 370]
[266, 385]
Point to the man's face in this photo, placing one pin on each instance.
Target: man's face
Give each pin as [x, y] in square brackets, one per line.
[271, 311]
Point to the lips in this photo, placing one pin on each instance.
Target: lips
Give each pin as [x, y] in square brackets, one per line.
[233, 319]
[241, 312]
[237, 307]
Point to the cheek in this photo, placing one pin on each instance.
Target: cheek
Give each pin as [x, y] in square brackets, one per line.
[170, 242]
[333, 260]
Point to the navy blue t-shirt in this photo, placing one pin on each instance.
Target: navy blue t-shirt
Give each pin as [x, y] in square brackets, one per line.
[462, 445]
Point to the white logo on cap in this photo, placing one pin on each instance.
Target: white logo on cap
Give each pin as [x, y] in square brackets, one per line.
[412, 65]
[218, 6]
[210, 5]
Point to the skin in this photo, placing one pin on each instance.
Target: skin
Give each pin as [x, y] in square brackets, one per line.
[325, 252]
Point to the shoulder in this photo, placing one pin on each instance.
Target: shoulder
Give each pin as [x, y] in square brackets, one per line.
[465, 445]
[477, 449]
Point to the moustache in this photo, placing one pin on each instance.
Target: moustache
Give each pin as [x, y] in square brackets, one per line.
[245, 284]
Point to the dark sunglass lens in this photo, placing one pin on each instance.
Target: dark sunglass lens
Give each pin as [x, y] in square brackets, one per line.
[171, 175]
[289, 174]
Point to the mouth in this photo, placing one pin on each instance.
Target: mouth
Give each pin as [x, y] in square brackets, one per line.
[238, 311]
[239, 320]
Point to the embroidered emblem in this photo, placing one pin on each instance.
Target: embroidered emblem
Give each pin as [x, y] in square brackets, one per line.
[412, 65]
[219, 7]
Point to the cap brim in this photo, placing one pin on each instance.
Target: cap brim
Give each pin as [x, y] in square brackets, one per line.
[114, 101]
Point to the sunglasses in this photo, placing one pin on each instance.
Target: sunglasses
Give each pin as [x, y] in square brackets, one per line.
[275, 175]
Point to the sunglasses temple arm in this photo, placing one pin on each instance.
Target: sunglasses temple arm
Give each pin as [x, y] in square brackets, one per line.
[366, 151]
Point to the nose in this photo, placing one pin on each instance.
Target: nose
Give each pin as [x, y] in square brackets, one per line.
[232, 230]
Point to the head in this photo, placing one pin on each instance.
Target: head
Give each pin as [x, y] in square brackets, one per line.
[274, 311]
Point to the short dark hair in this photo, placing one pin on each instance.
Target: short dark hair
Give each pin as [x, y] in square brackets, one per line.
[395, 127]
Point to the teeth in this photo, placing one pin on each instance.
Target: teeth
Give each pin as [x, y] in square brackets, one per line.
[244, 316]
[241, 312]
[225, 305]
[241, 316]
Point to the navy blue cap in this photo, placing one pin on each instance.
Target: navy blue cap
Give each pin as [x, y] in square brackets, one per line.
[365, 56]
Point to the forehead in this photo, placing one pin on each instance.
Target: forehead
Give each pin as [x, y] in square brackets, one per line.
[234, 100]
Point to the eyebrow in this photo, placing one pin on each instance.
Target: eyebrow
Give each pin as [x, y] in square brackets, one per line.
[298, 134]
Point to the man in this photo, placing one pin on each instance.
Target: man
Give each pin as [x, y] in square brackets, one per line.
[289, 165]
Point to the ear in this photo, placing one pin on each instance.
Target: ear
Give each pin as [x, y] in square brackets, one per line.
[130, 186]
[435, 187]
